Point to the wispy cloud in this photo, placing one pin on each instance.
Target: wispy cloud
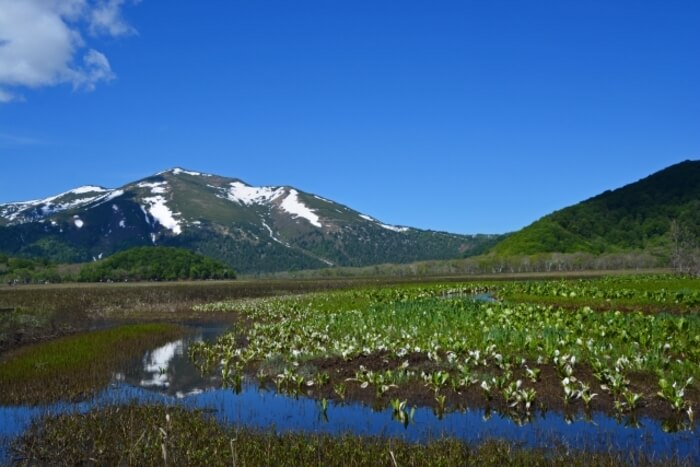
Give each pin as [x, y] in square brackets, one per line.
[42, 43]
[9, 139]
[106, 18]
[8, 97]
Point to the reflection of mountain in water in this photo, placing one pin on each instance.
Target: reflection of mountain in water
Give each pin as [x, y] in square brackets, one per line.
[166, 373]
[157, 362]
[168, 369]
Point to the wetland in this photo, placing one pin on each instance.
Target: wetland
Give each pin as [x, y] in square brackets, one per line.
[517, 370]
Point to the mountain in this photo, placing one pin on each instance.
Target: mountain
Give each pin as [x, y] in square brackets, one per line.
[637, 216]
[252, 229]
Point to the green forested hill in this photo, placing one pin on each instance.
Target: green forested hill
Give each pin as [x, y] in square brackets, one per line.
[637, 216]
[155, 263]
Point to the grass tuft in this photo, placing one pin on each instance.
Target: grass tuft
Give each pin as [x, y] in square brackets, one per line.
[161, 435]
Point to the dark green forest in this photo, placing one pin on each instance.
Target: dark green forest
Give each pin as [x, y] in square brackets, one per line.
[635, 217]
[155, 264]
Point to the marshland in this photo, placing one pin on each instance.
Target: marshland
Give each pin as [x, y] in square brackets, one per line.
[349, 233]
[538, 371]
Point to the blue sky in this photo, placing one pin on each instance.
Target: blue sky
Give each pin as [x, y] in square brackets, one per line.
[465, 116]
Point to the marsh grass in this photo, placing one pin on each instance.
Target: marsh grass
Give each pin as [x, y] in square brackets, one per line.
[44, 312]
[161, 435]
[649, 293]
[73, 367]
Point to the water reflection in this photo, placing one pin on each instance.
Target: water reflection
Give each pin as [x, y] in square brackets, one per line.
[169, 371]
[165, 375]
[474, 297]
[157, 362]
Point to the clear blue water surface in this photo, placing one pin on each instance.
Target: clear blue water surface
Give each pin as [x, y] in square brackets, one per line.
[165, 375]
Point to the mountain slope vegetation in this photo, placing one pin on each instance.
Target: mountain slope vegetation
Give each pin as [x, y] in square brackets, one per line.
[637, 216]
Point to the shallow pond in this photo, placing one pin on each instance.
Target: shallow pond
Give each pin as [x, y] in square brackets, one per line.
[166, 375]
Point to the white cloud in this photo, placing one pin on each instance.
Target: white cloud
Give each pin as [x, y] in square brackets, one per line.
[95, 68]
[106, 18]
[41, 43]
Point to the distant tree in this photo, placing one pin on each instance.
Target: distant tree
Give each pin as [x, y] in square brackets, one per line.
[685, 250]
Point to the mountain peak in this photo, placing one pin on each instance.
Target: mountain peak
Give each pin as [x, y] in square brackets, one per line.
[253, 228]
[181, 171]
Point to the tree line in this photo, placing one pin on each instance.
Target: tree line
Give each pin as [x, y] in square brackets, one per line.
[155, 263]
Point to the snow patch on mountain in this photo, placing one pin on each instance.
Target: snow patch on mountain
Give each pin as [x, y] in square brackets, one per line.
[157, 206]
[78, 222]
[272, 234]
[293, 205]
[107, 198]
[76, 191]
[88, 189]
[51, 208]
[178, 171]
[28, 211]
[145, 214]
[393, 228]
[157, 188]
[160, 211]
[247, 195]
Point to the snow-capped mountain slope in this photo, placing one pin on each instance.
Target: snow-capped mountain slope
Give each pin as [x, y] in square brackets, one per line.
[30, 211]
[252, 228]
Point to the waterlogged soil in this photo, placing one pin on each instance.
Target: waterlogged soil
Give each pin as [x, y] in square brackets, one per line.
[549, 388]
[165, 375]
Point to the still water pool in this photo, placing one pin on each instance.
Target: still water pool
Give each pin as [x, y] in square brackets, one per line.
[165, 375]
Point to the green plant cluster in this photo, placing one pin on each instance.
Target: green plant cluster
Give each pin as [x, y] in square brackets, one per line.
[656, 289]
[473, 343]
[155, 263]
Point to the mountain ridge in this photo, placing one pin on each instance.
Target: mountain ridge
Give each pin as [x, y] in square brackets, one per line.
[252, 228]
